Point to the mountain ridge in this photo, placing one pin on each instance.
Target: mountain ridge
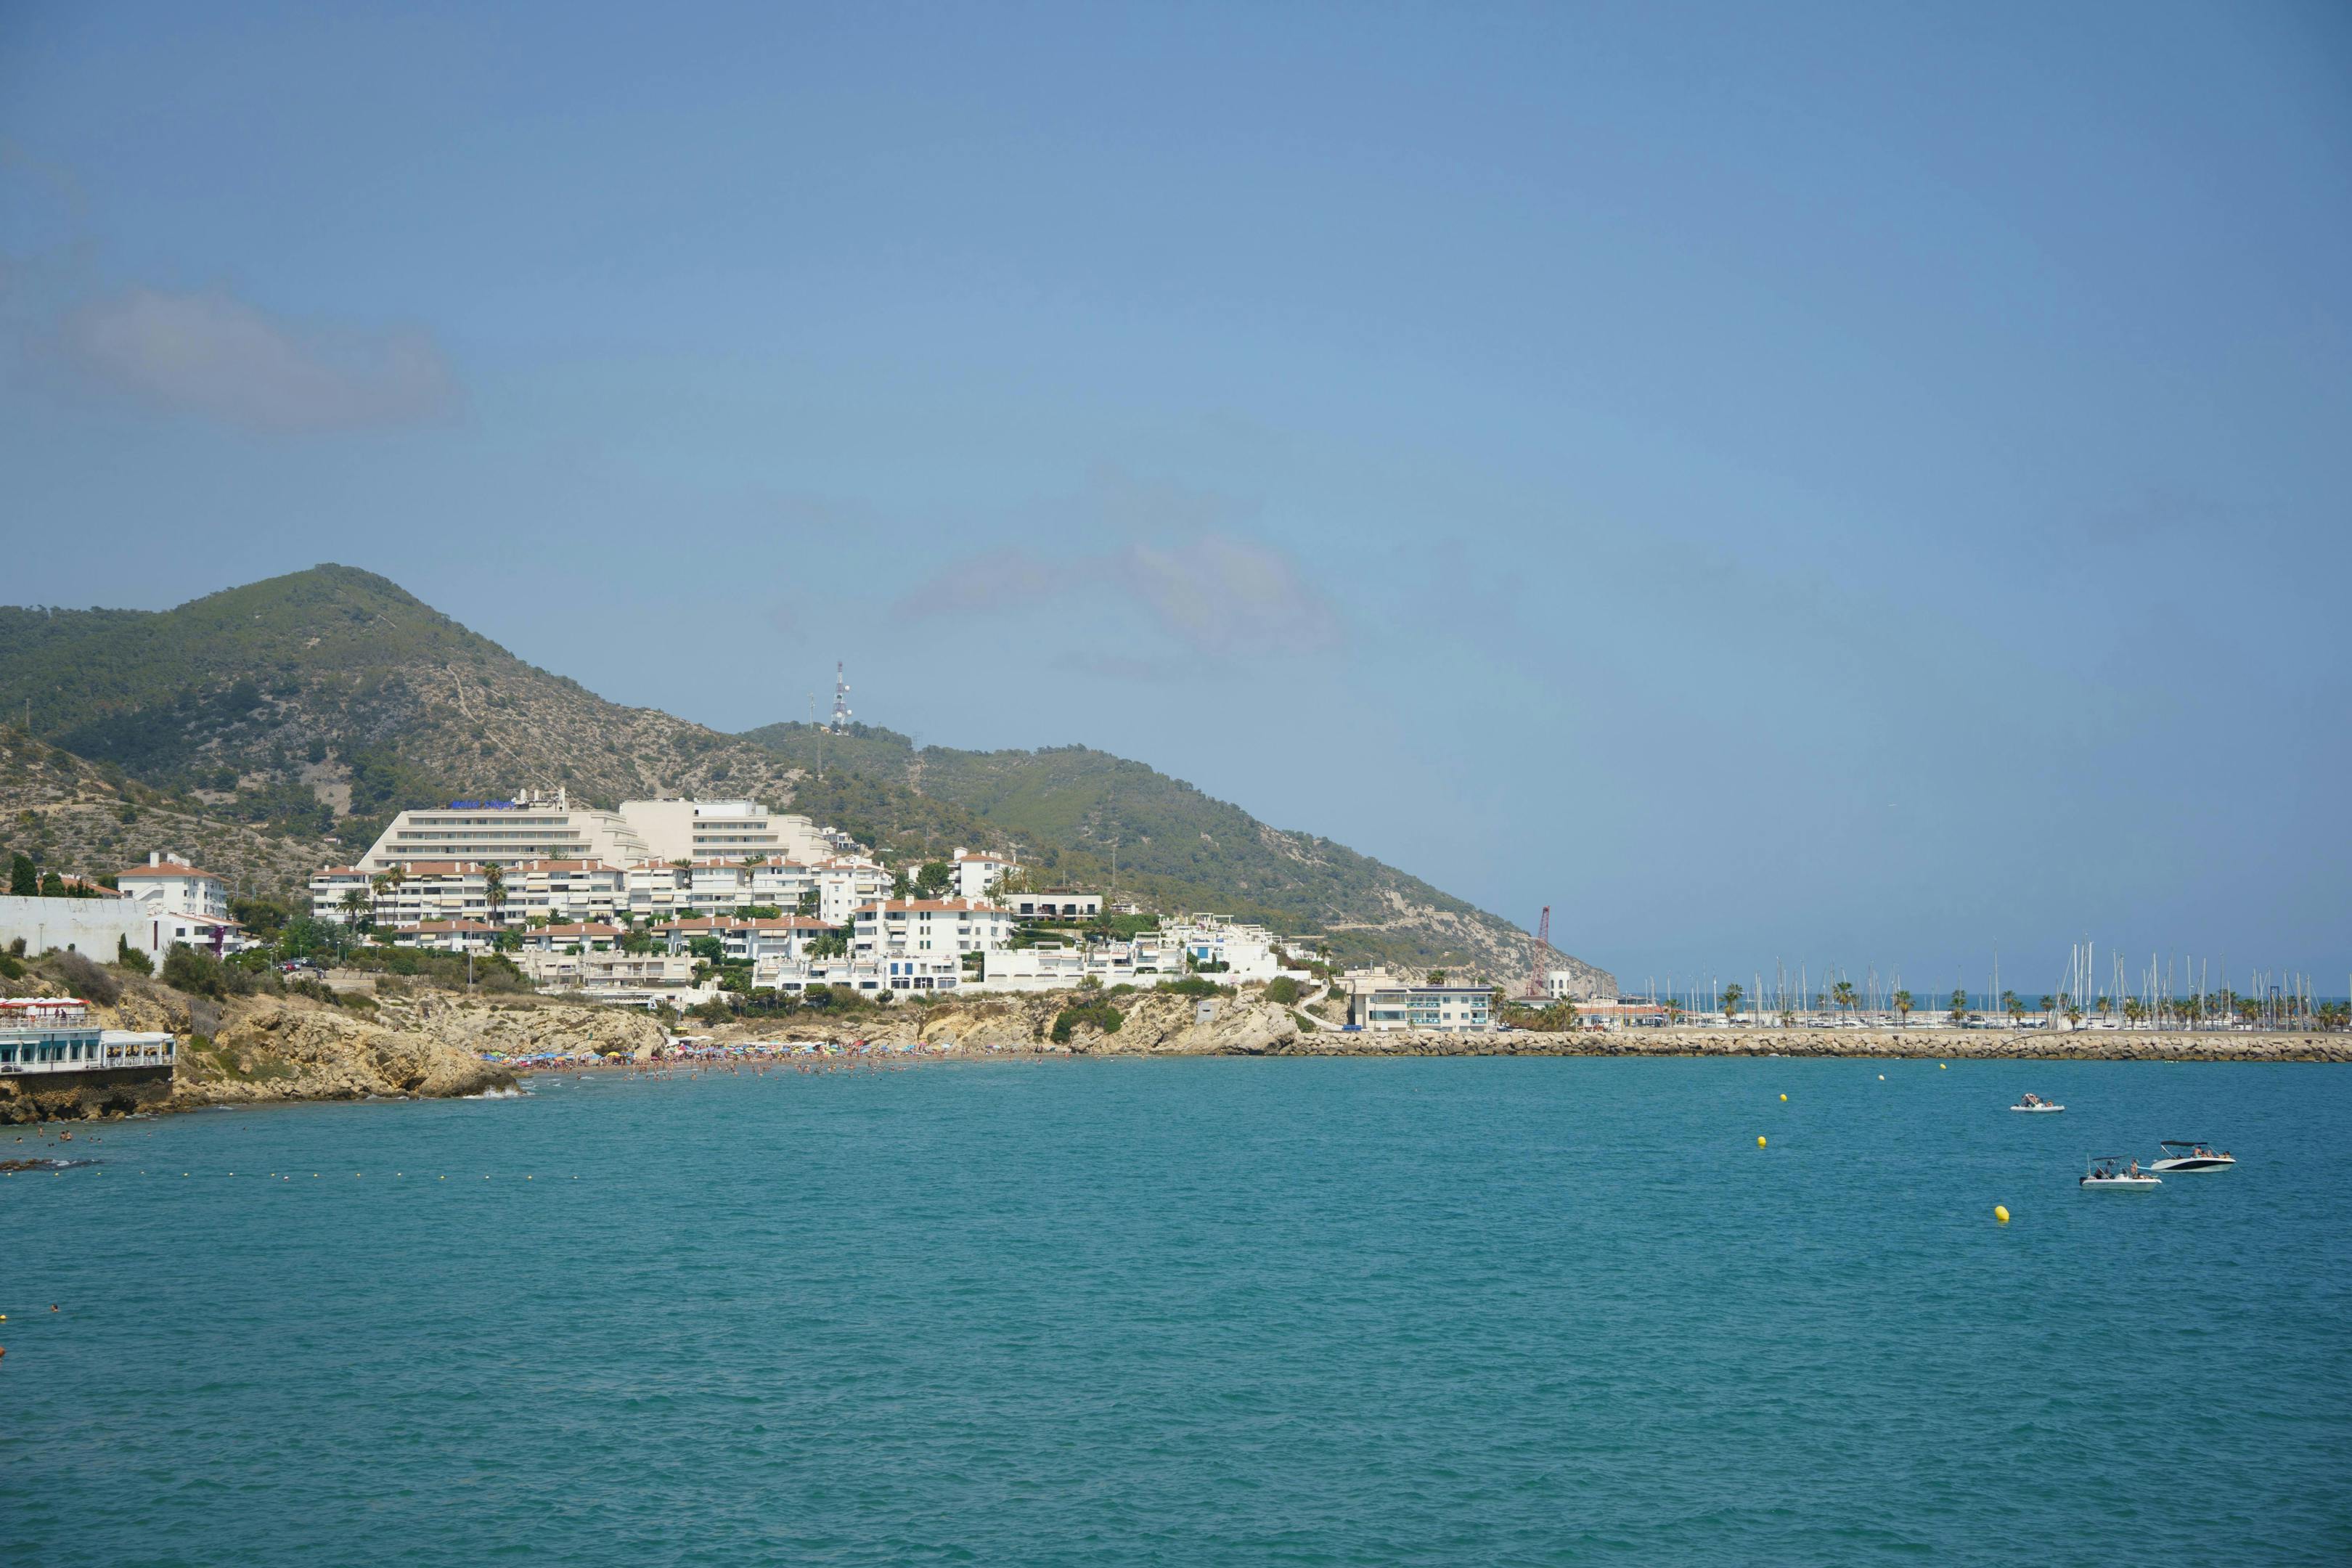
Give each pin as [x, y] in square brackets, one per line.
[306, 710]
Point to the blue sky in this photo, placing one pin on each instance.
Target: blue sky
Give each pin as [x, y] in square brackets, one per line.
[1865, 484]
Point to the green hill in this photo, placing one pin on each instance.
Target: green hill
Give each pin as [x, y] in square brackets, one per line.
[284, 723]
[324, 701]
[1089, 820]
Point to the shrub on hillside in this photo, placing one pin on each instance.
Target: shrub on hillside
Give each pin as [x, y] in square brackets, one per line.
[87, 980]
[1101, 1015]
[130, 958]
[1193, 985]
[199, 973]
[1283, 989]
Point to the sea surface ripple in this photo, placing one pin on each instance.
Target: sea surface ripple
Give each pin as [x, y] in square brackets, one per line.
[1195, 1312]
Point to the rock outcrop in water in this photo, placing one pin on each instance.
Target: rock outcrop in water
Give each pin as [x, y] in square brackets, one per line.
[278, 1048]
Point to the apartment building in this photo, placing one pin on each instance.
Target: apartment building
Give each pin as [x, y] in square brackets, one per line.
[910, 928]
[168, 882]
[743, 941]
[587, 936]
[638, 979]
[506, 832]
[448, 936]
[331, 886]
[422, 890]
[1449, 1008]
[847, 884]
[677, 830]
[567, 891]
[977, 871]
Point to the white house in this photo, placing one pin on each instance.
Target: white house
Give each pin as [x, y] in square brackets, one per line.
[169, 882]
[1063, 904]
[1232, 951]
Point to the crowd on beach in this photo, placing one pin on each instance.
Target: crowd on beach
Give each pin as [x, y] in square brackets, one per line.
[688, 1050]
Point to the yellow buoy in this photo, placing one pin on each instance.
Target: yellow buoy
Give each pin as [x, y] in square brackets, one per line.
[1943, 1066]
[1882, 1077]
[2001, 1213]
[1760, 1140]
[1784, 1099]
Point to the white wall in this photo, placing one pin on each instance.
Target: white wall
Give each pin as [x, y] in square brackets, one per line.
[95, 926]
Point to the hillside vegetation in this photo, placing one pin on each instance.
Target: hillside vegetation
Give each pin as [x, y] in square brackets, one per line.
[1066, 809]
[270, 728]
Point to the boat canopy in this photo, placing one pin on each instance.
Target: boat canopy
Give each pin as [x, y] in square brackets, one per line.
[2183, 1143]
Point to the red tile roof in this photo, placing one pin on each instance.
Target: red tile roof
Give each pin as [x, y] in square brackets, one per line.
[167, 869]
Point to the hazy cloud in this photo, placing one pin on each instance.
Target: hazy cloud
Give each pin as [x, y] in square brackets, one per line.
[1215, 595]
[216, 356]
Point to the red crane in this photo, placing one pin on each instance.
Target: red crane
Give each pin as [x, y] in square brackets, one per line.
[1539, 973]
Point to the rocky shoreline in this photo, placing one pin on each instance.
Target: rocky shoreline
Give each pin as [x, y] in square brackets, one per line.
[430, 1044]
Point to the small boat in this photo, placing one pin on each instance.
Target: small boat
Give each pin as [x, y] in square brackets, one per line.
[2107, 1173]
[2035, 1104]
[2191, 1154]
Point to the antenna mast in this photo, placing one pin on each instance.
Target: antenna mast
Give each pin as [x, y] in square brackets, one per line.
[840, 700]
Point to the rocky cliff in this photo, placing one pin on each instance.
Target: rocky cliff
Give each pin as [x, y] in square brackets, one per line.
[290, 1048]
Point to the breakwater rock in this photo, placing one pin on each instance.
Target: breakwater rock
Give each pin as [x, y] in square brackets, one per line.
[1952, 1044]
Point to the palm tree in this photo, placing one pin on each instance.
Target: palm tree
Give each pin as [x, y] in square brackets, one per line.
[2133, 1011]
[494, 891]
[356, 904]
[1731, 995]
[1843, 995]
[1959, 1007]
[1902, 1007]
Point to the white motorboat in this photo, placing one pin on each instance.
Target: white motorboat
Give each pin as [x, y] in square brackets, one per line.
[2191, 1156]
[2034, 1104]
[2109, 1173]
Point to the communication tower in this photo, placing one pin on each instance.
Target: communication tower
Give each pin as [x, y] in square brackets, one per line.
[840, 725]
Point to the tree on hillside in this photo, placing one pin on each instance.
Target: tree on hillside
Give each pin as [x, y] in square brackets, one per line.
[808, 903]
[23, 880]
[934, 880]
[1437, 977]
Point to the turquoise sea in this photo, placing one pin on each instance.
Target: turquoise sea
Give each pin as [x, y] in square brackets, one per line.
[1195, 1312]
